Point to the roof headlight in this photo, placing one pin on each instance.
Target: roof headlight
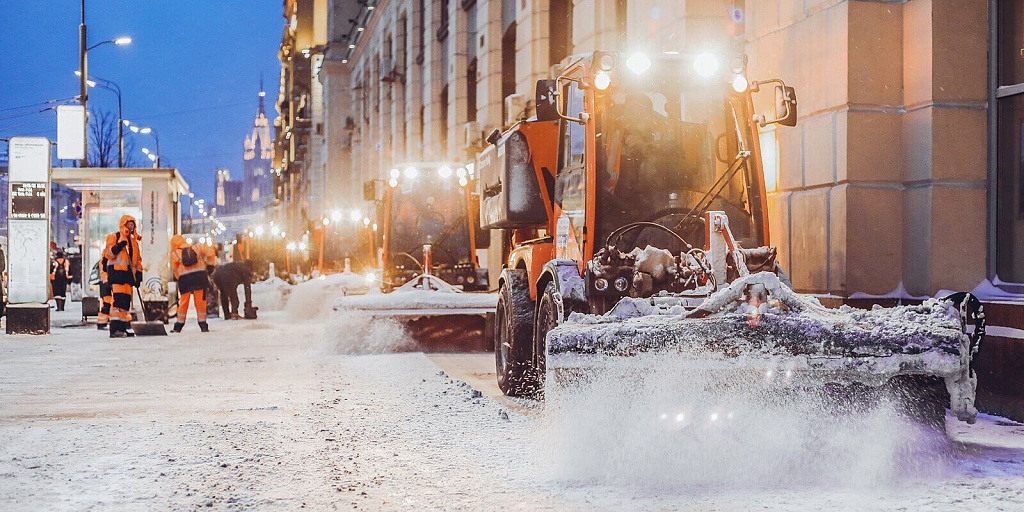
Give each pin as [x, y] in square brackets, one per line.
[705, 65]
[394, 173]
[739, 83]
[606, 62]
[638, 63]
[444, 171]
[411, 172]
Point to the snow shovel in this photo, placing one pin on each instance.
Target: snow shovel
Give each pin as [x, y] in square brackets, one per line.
[150, 327]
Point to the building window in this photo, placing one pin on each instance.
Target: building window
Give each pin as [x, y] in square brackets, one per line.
[471, 90]
[508, 66]
[1009, 187]
[560, 28]
[444, 121]
[442, 31]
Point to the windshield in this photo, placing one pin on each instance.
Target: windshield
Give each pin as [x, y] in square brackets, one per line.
[659, 151]
[428, 210]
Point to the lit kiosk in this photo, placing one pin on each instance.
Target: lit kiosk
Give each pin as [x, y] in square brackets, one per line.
[28, 236]
[152, 197]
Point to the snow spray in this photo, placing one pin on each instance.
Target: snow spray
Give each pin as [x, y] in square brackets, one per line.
[355, 333]
[668, 420]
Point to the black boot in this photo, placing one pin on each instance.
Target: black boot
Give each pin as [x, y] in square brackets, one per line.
[60, 304]
[178, 326]
[203, 326]
[101, 327]
[118, 329]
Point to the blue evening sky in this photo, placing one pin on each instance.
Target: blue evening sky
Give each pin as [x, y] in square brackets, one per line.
[191, 72]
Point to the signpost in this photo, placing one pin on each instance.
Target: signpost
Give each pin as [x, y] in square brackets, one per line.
[28, 236]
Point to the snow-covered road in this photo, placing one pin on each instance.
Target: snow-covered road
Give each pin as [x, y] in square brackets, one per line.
[270, 415]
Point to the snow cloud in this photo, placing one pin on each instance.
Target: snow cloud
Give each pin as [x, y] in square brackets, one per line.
[670, 423]
[354, 333]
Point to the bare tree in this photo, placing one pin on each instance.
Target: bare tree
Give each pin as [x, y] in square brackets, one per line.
[102, 139]
[103, 142]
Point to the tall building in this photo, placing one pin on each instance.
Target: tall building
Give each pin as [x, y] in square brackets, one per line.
[255, 191]
[257, 180]
[229, 196]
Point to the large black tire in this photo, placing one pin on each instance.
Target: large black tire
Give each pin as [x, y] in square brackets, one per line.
[513, 336]
[547, 318]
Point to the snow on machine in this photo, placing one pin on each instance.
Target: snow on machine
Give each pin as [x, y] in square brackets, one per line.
[634, 203]
[430, 264]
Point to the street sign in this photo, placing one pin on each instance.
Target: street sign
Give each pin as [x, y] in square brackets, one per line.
[71, 132]
[28, 220]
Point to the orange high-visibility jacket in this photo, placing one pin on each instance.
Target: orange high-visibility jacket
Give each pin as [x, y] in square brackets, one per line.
[124, 264]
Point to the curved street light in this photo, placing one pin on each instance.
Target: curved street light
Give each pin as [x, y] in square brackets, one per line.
[102, 83]
[146, 130]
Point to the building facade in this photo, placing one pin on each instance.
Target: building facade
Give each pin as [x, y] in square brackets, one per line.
[904, 172]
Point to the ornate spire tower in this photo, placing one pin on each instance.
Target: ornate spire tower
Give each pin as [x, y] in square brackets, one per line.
[258, 182]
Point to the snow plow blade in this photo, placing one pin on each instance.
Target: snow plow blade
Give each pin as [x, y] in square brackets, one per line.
[759, 324]
[437, 317]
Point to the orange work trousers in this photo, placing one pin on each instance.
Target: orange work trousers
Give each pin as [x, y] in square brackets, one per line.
[186, 297]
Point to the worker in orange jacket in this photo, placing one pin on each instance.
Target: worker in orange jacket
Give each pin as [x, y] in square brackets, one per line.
[191, 264]
[124, 271]
[106, 294]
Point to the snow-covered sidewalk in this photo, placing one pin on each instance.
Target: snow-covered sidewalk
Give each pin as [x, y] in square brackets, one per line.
[267, 415]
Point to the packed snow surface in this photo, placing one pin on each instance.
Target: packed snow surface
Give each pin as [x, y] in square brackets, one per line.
[268, 415]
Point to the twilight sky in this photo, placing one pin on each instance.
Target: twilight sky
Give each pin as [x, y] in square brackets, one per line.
[191, 72]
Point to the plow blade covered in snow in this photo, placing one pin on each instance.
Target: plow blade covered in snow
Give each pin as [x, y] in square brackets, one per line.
[437, 316]
[758, 325]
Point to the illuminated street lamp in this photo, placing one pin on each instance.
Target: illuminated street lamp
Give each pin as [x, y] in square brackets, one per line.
[146, 130]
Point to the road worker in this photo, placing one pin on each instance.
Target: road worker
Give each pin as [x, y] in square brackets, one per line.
[106, 294]
[191, 264]
[60, 276]
[124, 272]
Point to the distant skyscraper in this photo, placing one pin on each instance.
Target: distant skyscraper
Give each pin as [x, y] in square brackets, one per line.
[257, 181]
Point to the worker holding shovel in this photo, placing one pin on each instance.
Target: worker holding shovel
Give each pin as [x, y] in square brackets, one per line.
[124, 271]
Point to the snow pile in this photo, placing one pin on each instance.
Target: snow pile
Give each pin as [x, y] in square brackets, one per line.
[313, 298]
[270, 295]
[354, 333]
[668, 423]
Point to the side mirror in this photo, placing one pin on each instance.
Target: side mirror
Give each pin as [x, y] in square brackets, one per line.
[546, 100]
[785, 105]
[493, 137]
[370, 190]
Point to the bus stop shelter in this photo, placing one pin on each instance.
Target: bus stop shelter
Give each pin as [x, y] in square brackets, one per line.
[152, 196]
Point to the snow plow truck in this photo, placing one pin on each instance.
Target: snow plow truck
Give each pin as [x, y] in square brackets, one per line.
[429, 254]
[634, 210]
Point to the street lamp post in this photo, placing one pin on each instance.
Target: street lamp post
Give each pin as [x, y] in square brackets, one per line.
[83, 91]
[83, 69]
[109, 85]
